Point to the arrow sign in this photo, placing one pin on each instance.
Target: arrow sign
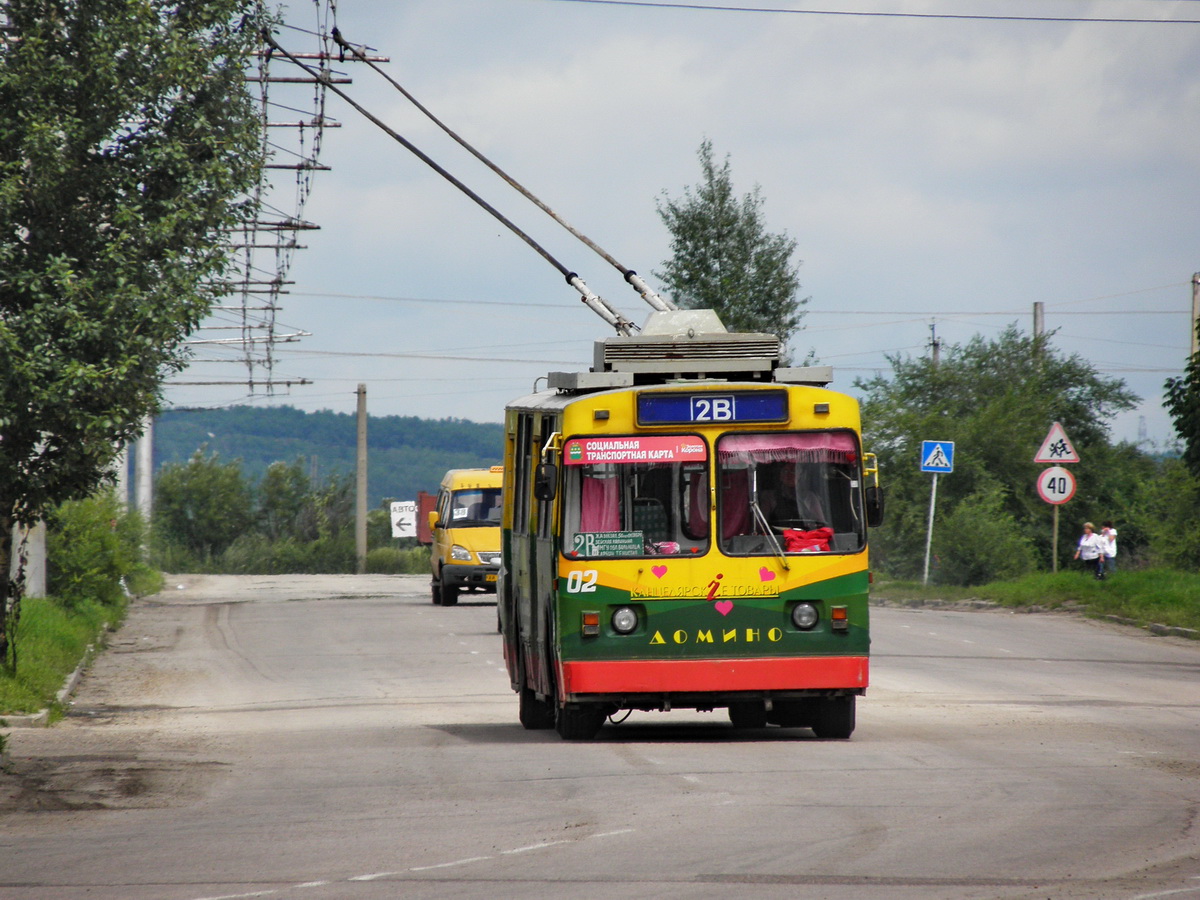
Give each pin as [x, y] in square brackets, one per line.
[404, 518]
[937, 456]
[1057, 447]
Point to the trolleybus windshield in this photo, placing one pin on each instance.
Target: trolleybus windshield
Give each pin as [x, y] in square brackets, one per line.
[800, 488]
[636, 496]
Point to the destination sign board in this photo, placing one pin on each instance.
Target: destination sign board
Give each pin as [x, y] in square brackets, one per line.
[634, 449]
[684, 408]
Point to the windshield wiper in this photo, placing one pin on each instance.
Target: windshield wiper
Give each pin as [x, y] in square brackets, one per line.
[766, 527]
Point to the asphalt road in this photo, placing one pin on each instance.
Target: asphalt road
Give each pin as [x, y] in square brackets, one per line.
[342, 737]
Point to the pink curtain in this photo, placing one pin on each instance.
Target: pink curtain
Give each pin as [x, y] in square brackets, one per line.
[803, 446]
[599, 510]
[698, 507]
[735, 503]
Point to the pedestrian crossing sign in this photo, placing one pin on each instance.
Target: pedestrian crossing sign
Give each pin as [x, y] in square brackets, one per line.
[937, 456]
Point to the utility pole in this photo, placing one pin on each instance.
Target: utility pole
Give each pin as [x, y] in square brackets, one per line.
[935, 345]
[143, 470]
[1039, 318]
[360, 506]
[1195, 313]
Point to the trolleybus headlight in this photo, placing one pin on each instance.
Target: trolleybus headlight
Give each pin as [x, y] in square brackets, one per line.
[624, 620]
[804, 616]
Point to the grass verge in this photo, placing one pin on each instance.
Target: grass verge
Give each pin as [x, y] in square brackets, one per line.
[1148, 596]
[51, 641]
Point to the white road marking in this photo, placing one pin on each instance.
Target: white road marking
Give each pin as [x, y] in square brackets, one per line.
[534, 847]
[449, 865]
[376, 876]
[1173, 893]
[373, 877]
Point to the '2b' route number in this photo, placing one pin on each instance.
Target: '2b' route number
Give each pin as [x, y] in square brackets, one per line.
[712, 409]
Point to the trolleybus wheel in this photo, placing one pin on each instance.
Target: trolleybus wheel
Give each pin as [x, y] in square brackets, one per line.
[748, 714]
[578, 723]
[533, 713]
[794, 713]
[835, 718]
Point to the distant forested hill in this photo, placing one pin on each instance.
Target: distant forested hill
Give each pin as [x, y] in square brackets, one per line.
[404, 454]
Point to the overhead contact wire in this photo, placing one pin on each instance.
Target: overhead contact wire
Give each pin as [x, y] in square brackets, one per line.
[593, 302]
[630, 275]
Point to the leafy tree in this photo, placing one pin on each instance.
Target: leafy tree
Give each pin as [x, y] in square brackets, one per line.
[202, 506]
[723, 258]
[996, 399]
[1182, 401]
[1168, 514]
[282, 498]
[981, 520]
[126, 139]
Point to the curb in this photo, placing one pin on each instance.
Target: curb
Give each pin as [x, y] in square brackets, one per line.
[969, 605]
[41, 719]
[1155, 628]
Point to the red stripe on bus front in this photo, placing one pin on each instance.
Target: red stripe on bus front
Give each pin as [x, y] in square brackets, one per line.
[676, 675]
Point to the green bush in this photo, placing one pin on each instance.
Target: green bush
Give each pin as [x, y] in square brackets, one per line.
[979, 542]
[394, 561]
[93, 550]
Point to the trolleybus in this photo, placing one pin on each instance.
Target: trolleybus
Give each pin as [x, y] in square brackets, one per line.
[685, 526]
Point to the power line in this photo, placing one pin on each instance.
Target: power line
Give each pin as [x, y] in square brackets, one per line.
[885, 15]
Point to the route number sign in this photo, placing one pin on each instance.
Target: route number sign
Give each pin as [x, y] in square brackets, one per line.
[1056, 485]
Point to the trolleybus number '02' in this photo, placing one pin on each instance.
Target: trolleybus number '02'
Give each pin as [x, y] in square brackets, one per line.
[582, 582]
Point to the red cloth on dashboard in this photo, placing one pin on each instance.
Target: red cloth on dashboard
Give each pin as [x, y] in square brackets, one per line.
[797, 541]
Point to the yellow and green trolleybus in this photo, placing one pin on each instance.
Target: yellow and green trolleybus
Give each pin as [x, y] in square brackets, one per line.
[685, 526]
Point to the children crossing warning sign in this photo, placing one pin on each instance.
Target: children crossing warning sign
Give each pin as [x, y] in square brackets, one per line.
[1057, 447]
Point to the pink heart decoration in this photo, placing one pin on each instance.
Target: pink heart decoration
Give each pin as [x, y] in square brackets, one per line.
[659, 571]
[765, 574]
[724, 607]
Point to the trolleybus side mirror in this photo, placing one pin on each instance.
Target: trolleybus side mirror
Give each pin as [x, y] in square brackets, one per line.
[545, 481]
[874, 504]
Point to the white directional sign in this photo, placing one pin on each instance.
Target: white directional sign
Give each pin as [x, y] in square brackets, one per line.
[404, 518]
[1056, 485]
[937, 456]
[1057, 447]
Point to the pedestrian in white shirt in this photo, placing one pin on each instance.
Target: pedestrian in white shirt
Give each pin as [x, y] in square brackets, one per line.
[1109, 534]
[1091, 550]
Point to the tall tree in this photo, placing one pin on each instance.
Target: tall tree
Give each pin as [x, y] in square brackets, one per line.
[723, 257]
[203, 506]
[996, 399]
[127, 138]
[1182, 400]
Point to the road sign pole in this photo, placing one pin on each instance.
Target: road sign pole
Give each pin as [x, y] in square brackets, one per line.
[1054, 543]
[929, 528]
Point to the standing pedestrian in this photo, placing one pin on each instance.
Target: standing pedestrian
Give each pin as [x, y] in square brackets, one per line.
[1109, 535]
[1091, 550]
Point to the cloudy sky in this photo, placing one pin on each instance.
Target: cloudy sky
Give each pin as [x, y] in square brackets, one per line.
[939, 175]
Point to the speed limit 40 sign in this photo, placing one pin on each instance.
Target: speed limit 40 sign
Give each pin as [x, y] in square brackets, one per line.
[1056, 485]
